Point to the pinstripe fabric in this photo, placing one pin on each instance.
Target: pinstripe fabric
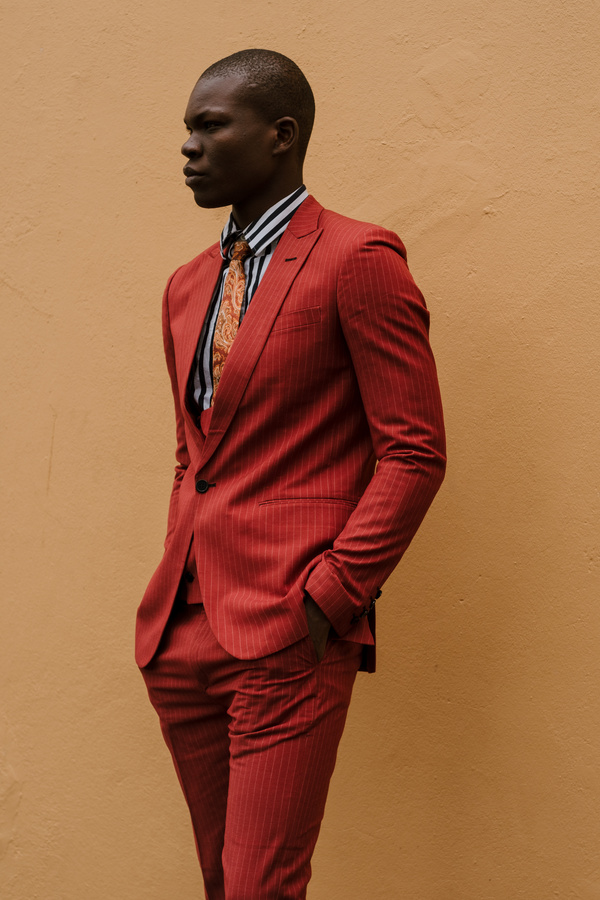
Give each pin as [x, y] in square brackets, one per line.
[331, 370]
[254, 744]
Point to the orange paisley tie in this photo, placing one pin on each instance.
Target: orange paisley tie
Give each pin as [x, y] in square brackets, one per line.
[228, 320]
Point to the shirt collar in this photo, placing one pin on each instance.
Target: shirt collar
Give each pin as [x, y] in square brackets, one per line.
[261, 233]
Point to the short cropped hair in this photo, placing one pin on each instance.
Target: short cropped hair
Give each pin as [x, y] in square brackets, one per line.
[276, 87]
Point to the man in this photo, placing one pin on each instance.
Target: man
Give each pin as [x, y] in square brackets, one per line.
[298, 355]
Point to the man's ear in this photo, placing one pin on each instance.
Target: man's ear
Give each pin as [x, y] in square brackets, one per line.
[287, 136]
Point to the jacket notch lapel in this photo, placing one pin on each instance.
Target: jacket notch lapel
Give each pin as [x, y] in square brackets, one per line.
[202, 286]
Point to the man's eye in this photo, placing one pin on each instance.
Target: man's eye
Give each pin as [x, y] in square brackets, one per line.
[210, 125]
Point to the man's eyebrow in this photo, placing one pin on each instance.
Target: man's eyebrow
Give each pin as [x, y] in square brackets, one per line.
[203, 114]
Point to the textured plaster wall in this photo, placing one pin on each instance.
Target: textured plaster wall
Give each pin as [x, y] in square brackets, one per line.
[469, 768]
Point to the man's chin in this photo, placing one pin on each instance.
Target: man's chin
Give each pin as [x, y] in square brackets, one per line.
[205, 202]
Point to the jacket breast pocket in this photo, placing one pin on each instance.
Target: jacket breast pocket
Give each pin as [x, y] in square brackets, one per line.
[297, 318]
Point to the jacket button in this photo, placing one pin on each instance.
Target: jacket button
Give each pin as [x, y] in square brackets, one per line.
[202, 486]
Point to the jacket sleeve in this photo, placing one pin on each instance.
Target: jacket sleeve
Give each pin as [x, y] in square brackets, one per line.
[385, 323]
[181, 453]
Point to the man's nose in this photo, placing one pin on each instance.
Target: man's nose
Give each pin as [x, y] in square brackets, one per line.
[191, 147]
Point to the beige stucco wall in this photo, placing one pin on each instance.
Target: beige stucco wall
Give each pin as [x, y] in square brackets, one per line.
[469, 768]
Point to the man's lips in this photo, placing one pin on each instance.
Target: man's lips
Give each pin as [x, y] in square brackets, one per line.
[191, 176]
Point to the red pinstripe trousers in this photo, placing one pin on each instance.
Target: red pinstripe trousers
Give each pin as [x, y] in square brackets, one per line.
[254, 744]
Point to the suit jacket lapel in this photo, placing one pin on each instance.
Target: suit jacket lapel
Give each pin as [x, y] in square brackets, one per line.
[294, 247]
[196, 311]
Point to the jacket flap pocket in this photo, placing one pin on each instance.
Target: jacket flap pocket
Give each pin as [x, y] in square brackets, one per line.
[297, 318]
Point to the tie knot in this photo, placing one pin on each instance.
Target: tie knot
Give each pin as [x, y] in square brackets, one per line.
[241, 250]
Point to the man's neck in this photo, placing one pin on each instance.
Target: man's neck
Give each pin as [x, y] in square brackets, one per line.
[247, 213]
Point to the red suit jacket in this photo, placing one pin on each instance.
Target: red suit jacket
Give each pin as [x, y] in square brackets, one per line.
[331, 372]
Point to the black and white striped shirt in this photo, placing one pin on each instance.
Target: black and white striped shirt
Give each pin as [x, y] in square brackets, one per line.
[262, 236]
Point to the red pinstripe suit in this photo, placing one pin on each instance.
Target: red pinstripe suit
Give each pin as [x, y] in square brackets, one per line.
[331, 371]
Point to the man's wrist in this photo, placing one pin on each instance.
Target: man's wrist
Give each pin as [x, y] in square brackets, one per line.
[314, 613]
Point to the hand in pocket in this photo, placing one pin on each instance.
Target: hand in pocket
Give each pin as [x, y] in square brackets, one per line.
[319, 626]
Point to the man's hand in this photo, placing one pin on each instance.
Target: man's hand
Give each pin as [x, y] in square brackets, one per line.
[318, 626]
